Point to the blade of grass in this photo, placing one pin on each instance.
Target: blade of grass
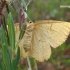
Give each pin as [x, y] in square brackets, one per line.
[11, 31]
[0, 35]
[29, 64]
[35, 62]
[16, 61]
[5, 52]
[1, 65]
[22, 31]
[20, 68]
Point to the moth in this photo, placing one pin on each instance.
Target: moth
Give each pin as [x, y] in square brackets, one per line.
[40, 36]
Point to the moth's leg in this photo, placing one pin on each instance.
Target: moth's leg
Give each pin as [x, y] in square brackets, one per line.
[27, 33]
[23, 30]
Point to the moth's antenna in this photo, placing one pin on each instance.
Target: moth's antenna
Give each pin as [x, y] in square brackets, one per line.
[28, 18]
[29, 2]
[37, 12]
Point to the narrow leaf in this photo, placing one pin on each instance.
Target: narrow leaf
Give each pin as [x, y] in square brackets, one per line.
[16, 61]
[22, 31]
[1, 65]
[11, 31]
[5, 52]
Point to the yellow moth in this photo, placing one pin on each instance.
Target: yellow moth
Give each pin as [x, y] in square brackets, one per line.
[40, 36]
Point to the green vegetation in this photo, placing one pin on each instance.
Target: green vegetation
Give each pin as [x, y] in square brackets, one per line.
[36, 10]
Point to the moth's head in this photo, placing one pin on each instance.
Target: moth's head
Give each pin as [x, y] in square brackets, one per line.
[29, 23]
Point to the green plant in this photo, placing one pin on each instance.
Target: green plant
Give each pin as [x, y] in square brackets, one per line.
[8, 59]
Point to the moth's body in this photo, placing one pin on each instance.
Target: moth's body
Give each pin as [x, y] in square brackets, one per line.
[26, 41]
[28, 36]
[39, 36]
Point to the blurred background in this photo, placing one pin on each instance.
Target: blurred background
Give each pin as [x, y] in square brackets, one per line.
[44, 10]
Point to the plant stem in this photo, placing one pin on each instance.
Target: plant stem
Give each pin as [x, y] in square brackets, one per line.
[35, 64]
[29, 64]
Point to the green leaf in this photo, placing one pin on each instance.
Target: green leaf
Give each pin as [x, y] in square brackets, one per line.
[21, 69]
[1, 65]
[22, 31]
[11, 31]
[3, 37]
[5, 52]
[6, 57]
[33, 63]
[16, 61]
[0, 34]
